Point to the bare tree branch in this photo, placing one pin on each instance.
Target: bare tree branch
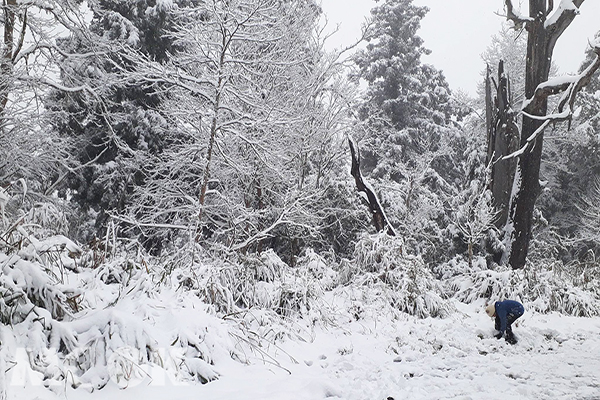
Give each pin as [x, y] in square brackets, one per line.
[560, 20]
[50, 189]
[562, 17]
[379, 219]
[514, 16]
[569, 85]
[21, 37]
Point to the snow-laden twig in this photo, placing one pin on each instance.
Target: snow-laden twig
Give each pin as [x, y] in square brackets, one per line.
[569, 86]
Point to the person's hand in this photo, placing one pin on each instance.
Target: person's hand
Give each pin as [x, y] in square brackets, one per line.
[498, 335]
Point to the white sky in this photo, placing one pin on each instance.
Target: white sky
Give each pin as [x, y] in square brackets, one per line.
[458, 31]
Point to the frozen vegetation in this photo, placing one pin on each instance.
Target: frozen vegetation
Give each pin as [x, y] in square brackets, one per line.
[198, 200]
[254, 328]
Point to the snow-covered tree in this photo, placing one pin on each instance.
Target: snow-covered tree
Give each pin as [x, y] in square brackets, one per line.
[409, 92]
[29, 61]
[475, 217]
[545, 26]
[407, 138]
[119, 126]
[254, 109]
[569, 165]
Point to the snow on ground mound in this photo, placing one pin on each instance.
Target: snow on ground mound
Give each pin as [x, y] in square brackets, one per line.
[217, 329]
[401, 357]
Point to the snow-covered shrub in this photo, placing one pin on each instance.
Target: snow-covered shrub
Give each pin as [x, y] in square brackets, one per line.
[585, 273]
[545, 287]
[297, 294]
[457, 266]
[86, 320]
[232, 282]
[235, 283]
[571, 289]
[112, 322]
[407, 282]
[318, 268]
[23, 224]
[484, 283]
[46, 219]
[377, 253]
[552, 293]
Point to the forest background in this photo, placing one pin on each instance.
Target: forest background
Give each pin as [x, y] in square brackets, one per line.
[218, 151]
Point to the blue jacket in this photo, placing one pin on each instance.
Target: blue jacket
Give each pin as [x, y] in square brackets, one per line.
[503, 308]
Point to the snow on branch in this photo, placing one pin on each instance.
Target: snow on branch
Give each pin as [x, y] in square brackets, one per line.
[515, 16]
[379, 218]
[529, 143]
[569, 85]
[289, 216]
[564, 14]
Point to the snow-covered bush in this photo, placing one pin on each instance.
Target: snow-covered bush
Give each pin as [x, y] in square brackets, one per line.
[484, 283]
[85, 320]
[85, 326]
[572, 289]
[545, 287]
[232, 282]
[405, 280]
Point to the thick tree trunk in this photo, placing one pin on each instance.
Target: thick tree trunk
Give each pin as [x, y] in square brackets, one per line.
[539, 59]
[490, 116]
[544, 28]
[542, 36]
[503, 137]
[379, 218]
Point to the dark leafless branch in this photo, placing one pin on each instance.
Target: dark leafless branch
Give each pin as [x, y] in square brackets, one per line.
[514, 16]
[379, 218]
[569, 85]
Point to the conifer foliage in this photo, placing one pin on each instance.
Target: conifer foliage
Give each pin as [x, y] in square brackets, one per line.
[409, 92]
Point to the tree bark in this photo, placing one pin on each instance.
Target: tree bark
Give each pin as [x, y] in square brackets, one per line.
[6, 64]
[490, 116]
[540, 44]
[379, 218]
[503, 137]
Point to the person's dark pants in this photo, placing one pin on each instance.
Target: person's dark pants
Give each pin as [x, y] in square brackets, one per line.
[510, 318]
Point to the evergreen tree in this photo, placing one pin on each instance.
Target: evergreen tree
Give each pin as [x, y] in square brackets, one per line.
[409, 92]
[118, 126]
[409, 142]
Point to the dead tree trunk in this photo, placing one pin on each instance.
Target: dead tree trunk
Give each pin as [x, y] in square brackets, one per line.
[6, 62]
[503, 137]
[544, 27]
[490, 117]
[379, 219]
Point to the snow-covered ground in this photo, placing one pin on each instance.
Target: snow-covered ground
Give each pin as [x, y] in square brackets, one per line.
[379, 357]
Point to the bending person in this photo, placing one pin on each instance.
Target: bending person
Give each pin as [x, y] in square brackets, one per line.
[505, 312]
